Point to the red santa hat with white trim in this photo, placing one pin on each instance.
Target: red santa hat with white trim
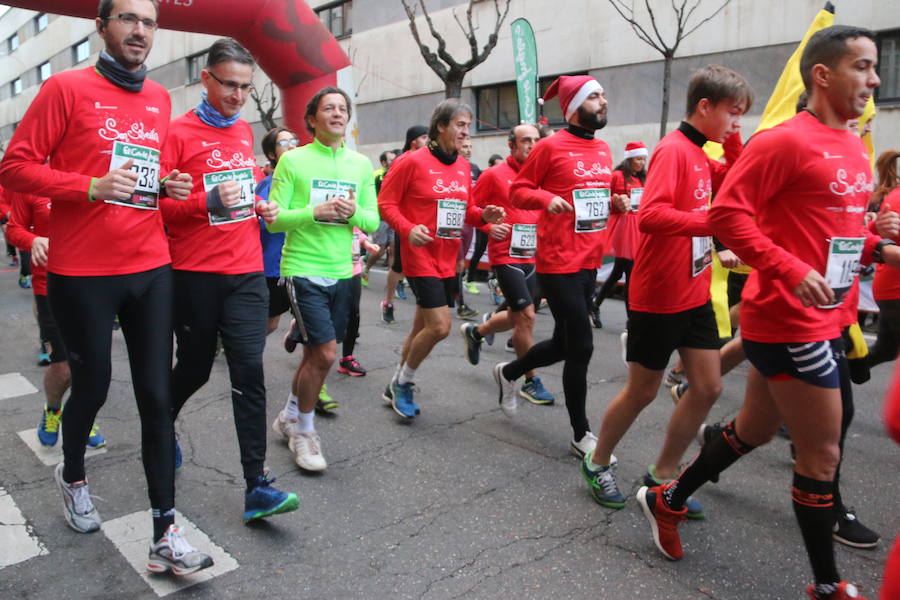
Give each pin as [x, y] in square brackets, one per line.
[572, 90]
[633, 149]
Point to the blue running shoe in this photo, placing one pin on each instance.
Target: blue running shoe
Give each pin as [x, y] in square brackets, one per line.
[402, 400]
[24, 281]
[401, 290]
[178, 458]
[534, 391]
[496, 294]
[263, 500]
[48, 430]
[694, 506]
[43, 356]
[95, 438]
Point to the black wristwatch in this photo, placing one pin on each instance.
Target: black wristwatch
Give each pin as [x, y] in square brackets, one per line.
[877, 256]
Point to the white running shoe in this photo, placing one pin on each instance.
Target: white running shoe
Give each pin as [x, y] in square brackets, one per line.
[307, 449]
[286, 427]
[581, 447]
[77, 506]
[507, 397]
[173, 553]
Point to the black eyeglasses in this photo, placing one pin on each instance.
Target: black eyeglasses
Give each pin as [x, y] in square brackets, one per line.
[132, 19]
[291, 143]
[230, 86]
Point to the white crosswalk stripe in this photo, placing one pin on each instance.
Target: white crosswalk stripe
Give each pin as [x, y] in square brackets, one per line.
[50, 455]
[17, 543]
[13, 385]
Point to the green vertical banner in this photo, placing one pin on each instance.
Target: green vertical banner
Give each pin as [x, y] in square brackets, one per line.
[525, 56]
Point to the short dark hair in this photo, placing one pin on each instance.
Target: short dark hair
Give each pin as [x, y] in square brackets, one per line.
[444, 112]
[383, 157]
[511, 138]
[104, 9]
[228, 50]
[268, 141]
[827, 47]
[312, 107]
[494, 159]
[717, 83]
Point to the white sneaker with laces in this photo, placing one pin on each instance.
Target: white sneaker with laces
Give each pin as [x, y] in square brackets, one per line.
[173, 553]
[581, 447]
[509, 401]
[286, 427]
[77, 506]
[307, 449]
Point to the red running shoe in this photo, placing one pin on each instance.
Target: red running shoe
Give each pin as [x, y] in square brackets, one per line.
[663, 521]
[844, 591]
[350, 366]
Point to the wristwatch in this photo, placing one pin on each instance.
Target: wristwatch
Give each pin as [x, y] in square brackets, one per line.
[877, 256]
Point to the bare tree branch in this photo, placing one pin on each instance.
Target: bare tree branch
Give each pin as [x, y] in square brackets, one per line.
[697, 26]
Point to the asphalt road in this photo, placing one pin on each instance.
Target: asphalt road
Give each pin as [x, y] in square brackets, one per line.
[462, 502]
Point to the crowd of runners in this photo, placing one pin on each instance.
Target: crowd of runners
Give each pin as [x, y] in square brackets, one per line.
[169, 229]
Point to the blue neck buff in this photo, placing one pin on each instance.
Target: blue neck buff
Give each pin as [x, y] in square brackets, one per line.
[209, 115]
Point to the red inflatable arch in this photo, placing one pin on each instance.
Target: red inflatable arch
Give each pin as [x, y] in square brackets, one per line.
[285, 36]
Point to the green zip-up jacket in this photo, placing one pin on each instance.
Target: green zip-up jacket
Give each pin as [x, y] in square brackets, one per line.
[308, 176]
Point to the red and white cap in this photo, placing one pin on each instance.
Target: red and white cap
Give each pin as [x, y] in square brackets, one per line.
[633, 149]
[573, 90]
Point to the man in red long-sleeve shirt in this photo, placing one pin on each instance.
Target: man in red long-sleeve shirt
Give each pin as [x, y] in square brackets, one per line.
[90, 141]
[566, 177]
[792, 208]
[670, 306]
[425, 198]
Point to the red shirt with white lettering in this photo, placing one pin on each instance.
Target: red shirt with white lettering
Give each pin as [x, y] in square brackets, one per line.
[493, 188]
[196, 245]
[30, 218]
[623, 233]
[416, 188]
[64, 140]
[887, 279]
[563, 165]
[794, 189]
[673, 212]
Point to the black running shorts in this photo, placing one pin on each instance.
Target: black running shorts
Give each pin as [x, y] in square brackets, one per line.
[653, 337]
[518, 284]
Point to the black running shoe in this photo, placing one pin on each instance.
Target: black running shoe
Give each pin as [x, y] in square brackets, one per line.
[849, 531]
[469, 332]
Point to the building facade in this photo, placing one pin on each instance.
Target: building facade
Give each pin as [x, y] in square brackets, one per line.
[394, 88]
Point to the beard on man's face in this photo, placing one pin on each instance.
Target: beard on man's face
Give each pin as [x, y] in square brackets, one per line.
[590, 120]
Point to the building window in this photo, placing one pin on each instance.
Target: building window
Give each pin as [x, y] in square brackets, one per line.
[889, 67]
[336, 17]
[12, 42]
[15, 86]
[195, 64]
[40, 23]
[44, 72]
[81, 51]
[497, 106]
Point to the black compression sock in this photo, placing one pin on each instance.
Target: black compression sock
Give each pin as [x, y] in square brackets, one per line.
[161, 522]
[716, 455]
[813, 502]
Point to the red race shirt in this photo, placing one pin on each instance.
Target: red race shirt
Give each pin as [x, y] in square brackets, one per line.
[30, 218]
[195, 242]
[887, 279]
[795, 189]
[493, 188]
[623, 233]
[74, 122]
[418, 191]
[671, 273]
[577, 170]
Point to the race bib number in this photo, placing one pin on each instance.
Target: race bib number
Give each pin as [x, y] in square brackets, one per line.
[591, 209]
[701, 254]
[323, 190]
[146, 165]
[842, 267]
[635, 196]
[450, 216]
[523, 241]
[357, 246]
[243, 210]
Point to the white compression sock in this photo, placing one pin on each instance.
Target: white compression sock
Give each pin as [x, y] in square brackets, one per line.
[406, 375]
[306, 421]
[291, 410]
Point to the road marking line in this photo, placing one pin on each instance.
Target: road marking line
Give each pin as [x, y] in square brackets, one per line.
[13, 385]
[130, 536]
[51, 455]
[17, 543]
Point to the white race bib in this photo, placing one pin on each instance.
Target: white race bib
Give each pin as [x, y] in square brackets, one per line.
[450, 217]
[635, 196]
[701, 254]
[591, 209]
[843, 265]
[323, 190]
[146, 165]
[523, 241]
[243, 210]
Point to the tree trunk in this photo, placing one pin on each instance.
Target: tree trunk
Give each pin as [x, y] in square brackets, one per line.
[667, 76]
[453, 85]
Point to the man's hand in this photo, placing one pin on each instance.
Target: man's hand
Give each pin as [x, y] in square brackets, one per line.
[118, 184]
[230, 193]
[373, 248]
[267, 210]
[887, 223]
[419, 236]
[346, 205]
[729, 259]
[558, 206]
[179, 185]
[500, 231]
[814, 290]
[40, 248]
[335, 209]
[621, 202]
[493, 214]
